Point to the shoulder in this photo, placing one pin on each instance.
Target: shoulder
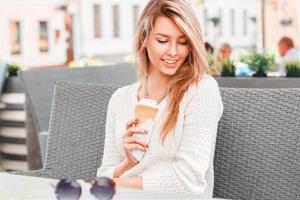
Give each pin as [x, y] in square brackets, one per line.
[205, 94]
[121, 92]
[205, 84]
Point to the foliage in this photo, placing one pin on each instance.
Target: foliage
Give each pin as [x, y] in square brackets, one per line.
[228, 68]
[211, 58]
[13, 69]
[215, 20]
[253, 19]
[293, 68]
[259, 62]
[1, 166]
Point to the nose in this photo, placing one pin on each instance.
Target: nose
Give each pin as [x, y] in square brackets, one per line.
[172, 50]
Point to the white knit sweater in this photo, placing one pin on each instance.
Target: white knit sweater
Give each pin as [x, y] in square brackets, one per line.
[184, 164]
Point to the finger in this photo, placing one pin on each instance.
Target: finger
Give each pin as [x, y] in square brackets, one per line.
[131, 123]
[134, 130]
[138, 130]
[130, 140]
[129, 147]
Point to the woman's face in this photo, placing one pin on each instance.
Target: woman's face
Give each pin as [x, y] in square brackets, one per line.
[167, 47]
[225, 53]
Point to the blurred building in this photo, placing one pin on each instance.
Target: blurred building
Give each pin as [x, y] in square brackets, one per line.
[32, 32]
[103, 28]
[230, 21]
[106, 28]
[281, 18]
[38, 33]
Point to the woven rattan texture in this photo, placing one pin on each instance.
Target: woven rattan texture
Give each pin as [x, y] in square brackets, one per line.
[257, 153]
[77, 129]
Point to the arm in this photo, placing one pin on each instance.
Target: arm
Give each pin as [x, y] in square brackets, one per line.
[135, 182]
[188, 170]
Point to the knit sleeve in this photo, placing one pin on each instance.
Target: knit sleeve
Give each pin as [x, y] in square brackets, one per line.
[187, 173]
[111, 156]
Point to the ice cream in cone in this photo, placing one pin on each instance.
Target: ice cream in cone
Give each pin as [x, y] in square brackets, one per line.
[145, 112]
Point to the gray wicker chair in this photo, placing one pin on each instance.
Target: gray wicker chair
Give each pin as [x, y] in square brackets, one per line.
[76, 131]
[257, 152]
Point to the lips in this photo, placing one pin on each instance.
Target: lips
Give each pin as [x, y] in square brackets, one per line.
[169, 62]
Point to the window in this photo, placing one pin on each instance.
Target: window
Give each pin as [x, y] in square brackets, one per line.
[221, 22]
[97, 21]
[44, 40]
[116, 21]
[136, 11]
[232, 19]
[245, 19]
[15, 41]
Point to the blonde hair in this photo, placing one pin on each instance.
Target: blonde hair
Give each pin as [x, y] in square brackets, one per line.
[195, 65]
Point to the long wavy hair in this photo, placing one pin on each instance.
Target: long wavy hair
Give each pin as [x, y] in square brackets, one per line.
[195, 65]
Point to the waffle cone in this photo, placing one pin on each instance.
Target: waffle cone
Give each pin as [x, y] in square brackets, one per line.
[144, 112]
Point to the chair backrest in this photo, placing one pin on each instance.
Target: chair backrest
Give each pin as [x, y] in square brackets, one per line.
[257, 152]
[39, 85]
[77, 129]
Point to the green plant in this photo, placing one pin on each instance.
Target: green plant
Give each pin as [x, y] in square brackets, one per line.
[228, 68]
[215, 20]
[1, 166]
[13, 69]
[261, 63]
[293, 68]
[211, 58]
[253, 19]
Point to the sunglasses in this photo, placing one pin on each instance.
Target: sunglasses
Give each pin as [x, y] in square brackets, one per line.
[103, 188]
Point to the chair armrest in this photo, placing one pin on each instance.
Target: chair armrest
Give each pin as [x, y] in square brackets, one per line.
[37, 173]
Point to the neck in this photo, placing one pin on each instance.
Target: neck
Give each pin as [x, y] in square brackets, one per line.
[157, 80]
[156, 86]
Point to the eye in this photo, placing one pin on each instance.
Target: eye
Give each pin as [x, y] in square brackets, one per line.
[161, 41]
[183, 42]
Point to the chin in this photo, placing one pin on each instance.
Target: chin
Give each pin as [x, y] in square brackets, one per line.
[169, 72]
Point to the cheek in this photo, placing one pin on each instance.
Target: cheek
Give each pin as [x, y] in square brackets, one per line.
[184, 52]
[156, 52]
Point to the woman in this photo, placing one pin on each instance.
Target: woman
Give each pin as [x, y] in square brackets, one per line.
[173, 71]
[224, 54]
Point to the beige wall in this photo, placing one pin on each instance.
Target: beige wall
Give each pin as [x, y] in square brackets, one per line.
[29, 14]
[275, 11]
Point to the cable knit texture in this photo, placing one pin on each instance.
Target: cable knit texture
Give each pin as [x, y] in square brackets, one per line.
[184, 163]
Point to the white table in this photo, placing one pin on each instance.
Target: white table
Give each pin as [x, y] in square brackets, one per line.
[26, 187]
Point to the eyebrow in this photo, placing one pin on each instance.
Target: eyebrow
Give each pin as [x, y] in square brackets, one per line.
[164, 35]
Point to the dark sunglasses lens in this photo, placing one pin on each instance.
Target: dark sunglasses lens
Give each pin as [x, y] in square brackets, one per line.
[103, 188]
[67, 190]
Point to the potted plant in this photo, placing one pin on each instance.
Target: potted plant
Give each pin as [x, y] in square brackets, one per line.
[293, 68]
[211, 59]
[260, 63]
[215, 20]
[13, 69]
[228, 68]
[1, 166]
[12, 81]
